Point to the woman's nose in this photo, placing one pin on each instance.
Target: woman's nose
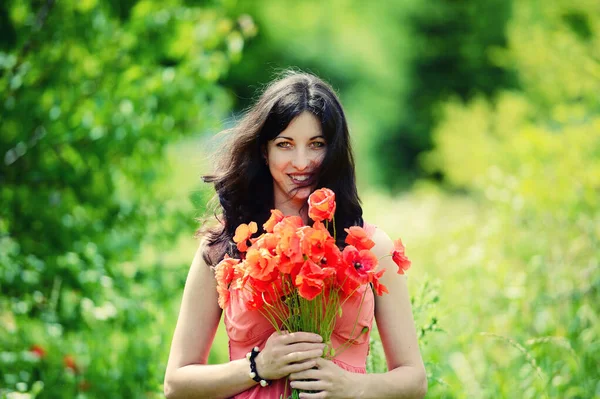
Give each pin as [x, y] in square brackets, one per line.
[301, 160]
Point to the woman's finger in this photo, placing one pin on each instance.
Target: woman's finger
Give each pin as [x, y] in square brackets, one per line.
[300, 336]
[318, 395]
[304, 347]
[307, 374]
[310, 385]
[323, 362]
[295, 368]
[296, 357]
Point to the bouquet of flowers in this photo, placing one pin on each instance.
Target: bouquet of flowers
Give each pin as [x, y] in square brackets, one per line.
[296, 275]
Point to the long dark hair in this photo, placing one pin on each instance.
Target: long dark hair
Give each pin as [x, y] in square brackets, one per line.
[243, 183]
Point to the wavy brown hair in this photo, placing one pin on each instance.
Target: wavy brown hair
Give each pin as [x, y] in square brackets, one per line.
[243, 183]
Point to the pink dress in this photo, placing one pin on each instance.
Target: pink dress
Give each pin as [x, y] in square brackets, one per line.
[247, 329]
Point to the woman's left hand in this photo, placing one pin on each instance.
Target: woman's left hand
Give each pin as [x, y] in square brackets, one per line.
[328, 378]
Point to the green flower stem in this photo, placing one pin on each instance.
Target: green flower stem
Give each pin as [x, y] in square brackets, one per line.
[334, 232]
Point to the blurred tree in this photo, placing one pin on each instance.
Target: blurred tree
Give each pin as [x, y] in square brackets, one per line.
[453, 44]
[91, 94]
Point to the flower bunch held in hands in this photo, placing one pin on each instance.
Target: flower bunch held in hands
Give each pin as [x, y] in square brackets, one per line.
[296, 275]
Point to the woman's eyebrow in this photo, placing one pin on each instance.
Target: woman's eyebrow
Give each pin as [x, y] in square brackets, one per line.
[289, 138]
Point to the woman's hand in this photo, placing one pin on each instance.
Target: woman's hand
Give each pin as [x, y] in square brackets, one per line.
[286, 353]
[330, 380]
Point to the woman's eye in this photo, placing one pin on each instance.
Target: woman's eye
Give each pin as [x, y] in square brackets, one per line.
[283, 144]
[318, 144]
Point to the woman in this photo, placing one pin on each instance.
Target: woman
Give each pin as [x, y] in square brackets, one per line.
[293, 141]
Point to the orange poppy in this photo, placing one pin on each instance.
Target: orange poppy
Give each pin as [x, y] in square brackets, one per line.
[243, 233]
[321, 205]
[276, 217]
[312, 242]
[260, 264]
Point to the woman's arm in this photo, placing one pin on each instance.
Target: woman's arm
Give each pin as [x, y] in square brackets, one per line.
[187, 373]
[406, 377]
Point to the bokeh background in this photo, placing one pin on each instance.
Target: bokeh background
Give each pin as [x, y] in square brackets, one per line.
[476, 128]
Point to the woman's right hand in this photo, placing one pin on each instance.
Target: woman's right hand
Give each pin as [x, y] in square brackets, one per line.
[285, 353]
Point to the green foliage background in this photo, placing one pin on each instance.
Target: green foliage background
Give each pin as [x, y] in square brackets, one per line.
[481, 117]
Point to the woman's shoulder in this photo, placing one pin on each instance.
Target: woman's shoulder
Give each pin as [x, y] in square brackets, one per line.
[383, 242]
[369, 228]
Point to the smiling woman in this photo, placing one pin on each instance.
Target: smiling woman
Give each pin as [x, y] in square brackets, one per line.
[293, 141]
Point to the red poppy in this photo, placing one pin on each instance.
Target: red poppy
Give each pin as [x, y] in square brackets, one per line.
[332, 256]
[321, 205]
[358, 237]
[38, 351]
[346, 284]
[69, 362]
[399, 257]
[379, 288]
[310, 279]
[287, 266]
[361, 264]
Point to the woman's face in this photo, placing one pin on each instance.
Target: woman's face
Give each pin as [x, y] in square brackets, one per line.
[294, 157]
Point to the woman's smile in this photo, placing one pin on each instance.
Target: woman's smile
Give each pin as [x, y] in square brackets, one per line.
[302, 179]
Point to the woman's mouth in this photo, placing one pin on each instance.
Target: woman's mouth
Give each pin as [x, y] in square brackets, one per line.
[302, 179]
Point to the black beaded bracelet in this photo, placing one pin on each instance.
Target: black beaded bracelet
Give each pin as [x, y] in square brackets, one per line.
[253, 373]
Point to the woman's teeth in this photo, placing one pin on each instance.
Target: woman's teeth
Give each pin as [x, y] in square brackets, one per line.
[300, 178]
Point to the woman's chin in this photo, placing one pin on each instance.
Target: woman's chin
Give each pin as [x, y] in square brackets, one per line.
[293, 194]
[303, 193]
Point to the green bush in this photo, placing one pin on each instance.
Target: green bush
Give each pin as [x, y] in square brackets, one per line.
[527, 263]
[92, 94]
